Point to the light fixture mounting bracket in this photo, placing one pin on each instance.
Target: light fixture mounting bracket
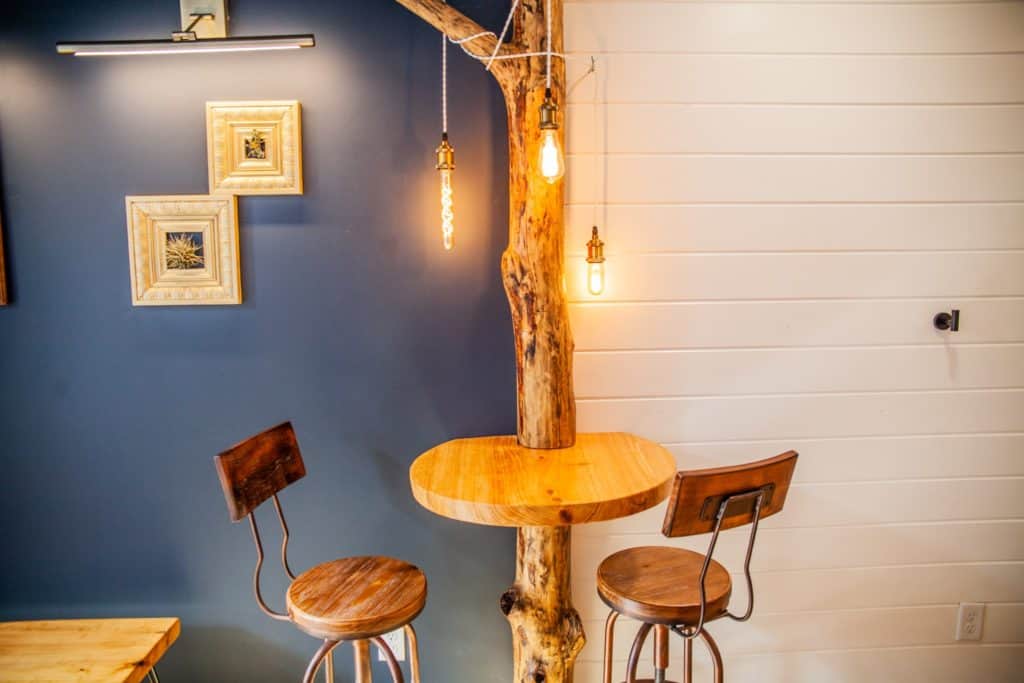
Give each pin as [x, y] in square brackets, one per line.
[213, 21]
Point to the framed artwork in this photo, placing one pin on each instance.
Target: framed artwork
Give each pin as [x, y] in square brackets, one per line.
[254, 147]
[3, 268]
[183, 250]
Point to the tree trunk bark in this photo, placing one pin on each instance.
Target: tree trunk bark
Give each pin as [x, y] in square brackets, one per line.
[547, 633]
[533, 264]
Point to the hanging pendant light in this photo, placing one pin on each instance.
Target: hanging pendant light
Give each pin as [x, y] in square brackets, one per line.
[552, 159]
[446, 157]
[595, 264]
[446, 164]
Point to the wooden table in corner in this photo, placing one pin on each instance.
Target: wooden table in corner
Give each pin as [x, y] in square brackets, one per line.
[83, 650]
[495, 481]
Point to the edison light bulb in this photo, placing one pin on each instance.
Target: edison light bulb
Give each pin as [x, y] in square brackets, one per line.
[595, 278]
[447, 212]
[552, 162]
[595, 264]
[446, 164]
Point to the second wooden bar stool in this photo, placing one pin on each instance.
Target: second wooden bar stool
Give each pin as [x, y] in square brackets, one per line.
[672, 590]
[355, 599]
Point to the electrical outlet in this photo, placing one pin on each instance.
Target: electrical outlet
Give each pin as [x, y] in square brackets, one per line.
[969, 620]
[396, 641]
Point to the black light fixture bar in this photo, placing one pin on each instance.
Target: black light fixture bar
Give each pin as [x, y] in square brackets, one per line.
[116, 48]
[204, 29]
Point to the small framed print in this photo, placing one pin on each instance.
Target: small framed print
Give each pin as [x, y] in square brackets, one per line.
[254, 147]
[3, 270]
[183, 250]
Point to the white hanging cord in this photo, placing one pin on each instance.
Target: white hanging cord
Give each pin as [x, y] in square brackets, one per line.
[602, 186]
[547, 45]
[504, 32]
[472, 37]
[494, 56]
[444, 83]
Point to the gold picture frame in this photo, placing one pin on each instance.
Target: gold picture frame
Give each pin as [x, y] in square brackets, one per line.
[183, 250]
[3, 268]
[254, 147]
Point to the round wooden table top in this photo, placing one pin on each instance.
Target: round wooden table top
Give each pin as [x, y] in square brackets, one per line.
[493, 480]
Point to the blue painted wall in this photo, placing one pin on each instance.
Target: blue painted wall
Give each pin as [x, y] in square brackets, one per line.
[356, 325]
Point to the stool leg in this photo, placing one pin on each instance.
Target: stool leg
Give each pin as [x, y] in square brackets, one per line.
[414, 653]
[634, 652]
[660, 653]
[329, 667]
[318, 658]
[609, 642]
[362, 659]
[396, 671]
[687, 660]
[716, 656]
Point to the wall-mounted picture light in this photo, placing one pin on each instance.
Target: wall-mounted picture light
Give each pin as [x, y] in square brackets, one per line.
[204, 29]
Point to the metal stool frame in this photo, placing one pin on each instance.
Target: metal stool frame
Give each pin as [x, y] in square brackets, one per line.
[757, 500]
[324, 654]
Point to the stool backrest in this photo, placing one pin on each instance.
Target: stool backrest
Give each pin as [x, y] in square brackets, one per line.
[697, 495]
[254, 470]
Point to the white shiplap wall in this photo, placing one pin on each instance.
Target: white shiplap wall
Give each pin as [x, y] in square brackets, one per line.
[790, 191]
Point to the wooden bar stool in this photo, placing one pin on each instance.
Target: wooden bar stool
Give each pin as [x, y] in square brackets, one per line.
[672, 590]
[355, 599]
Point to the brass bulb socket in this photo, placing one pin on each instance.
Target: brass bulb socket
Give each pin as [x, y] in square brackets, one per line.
[595, 248]
[445, 155]
[548, 113]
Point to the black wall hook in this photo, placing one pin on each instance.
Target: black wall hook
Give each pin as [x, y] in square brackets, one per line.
[948, 321]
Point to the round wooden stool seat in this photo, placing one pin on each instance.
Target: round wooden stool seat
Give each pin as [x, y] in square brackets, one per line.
[660, 585]
[357, 597]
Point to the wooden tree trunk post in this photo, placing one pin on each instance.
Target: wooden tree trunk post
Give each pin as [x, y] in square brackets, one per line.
[532, 265]
[547, 630]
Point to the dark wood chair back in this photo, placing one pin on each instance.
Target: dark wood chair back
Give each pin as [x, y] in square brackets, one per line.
[254, 470]
[698, 494]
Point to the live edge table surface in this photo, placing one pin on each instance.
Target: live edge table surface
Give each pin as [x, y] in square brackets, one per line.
[83, 650]
[493, 480]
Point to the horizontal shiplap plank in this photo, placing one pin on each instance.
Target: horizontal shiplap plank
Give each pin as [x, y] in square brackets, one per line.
[829, 79]
[862, 503]
[710, 277]
[763, 129]
[733, 27]
[797, 227]
[871, 458]
[959, 663]
[631, 179]
[812, 415]
[753, 371]
[836, 589]
[790, 323]
[852, 629]
[809, 548]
